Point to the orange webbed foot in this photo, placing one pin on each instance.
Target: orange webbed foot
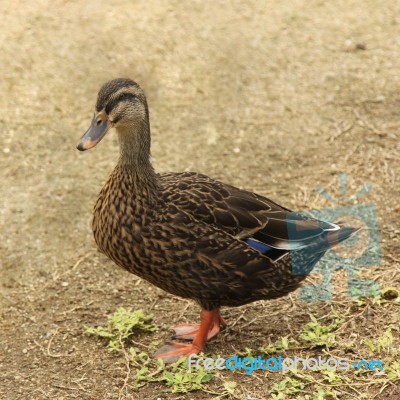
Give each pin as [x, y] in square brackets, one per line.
[189, 331]
[174, 351]
[200, 333]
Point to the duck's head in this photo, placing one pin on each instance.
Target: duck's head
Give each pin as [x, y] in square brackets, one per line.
[121, 104]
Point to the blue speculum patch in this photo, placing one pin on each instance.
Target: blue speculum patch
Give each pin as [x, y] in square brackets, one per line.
[259, 246]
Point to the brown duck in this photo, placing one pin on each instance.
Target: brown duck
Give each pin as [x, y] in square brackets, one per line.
[191, 235]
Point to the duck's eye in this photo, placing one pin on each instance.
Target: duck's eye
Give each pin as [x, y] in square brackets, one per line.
[125, 96]
[98, 122]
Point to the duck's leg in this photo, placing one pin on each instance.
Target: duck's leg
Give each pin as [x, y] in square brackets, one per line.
[174, 351]
[189, 331]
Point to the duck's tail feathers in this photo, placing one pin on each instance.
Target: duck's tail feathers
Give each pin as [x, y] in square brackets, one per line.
[293, 232]
[338, 236]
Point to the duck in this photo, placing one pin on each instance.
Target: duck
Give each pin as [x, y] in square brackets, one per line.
[193, 236]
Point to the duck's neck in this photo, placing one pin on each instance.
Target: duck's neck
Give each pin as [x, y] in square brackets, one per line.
[135, 161]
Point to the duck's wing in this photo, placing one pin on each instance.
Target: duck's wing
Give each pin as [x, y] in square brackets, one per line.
[238, 211]
[209, 262]
[265, 226]
[215, 267]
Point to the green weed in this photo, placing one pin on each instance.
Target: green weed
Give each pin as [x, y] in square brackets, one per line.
[317, 335]
[286, 387]
[182, 380]
[121, 325]
[385, 342]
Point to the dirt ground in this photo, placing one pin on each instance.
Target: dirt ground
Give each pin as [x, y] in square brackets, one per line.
[275, 97]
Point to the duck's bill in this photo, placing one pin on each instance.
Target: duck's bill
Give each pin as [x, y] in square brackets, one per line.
[97, 130]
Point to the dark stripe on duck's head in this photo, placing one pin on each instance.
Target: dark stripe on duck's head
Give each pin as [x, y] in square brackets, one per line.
[122, 97]
[109, 88]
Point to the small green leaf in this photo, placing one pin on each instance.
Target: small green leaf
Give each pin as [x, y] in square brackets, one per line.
[121, 325]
